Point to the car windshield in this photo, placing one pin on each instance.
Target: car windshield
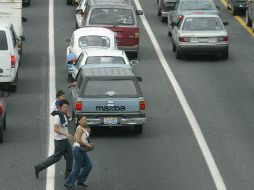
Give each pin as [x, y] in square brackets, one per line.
[196, 5]
[202, 24]
[94, 41]
[111, 16]
[3, 41]
[105, 60]
[110, 88]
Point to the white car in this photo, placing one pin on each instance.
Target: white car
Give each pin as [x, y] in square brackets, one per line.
[115, 58]
[80, 12]
[9, 56]
[200, 34]
[91, 37]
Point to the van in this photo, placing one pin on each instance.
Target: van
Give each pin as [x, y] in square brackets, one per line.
[9, 57]
[120, 17]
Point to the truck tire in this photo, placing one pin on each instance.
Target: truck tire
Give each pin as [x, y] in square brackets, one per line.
[138, 129]
[173, 46]
[234, 11]
[1, 133]
[247, 19]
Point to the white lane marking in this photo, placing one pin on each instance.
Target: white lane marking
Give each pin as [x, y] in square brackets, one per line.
[218, 180]
[50, 180]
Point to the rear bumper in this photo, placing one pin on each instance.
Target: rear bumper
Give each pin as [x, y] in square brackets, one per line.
[6, 79]
[129, 48]
[121, 121]
[203, 49]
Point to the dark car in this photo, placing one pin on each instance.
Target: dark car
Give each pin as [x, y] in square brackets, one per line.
[2, 118]
[236, 6]
[249, 18]
[26, 2]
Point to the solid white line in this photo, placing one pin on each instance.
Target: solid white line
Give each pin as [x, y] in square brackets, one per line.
[218, 180]
[50, 180]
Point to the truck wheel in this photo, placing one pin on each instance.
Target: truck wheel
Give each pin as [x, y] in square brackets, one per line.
[1, 133]
[234, 11]
[179, 55]
[159, 12]
[4, 122]
[173, 46]
[224, 55]
[138, 129]
[247, 19]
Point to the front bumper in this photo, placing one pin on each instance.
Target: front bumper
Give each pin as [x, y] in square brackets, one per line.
[203, 48]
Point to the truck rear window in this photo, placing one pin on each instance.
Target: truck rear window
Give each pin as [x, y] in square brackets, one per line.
[3, 41]
[112, 16]
[110, 88]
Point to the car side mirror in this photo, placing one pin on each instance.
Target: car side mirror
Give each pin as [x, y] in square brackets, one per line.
[218, 7]
[68, 40]
[139, 79]
[139, 12]
[225, 23]
[133, 62]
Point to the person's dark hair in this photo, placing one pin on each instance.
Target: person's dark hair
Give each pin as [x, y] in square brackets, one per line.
[62, 102]
[60, 93]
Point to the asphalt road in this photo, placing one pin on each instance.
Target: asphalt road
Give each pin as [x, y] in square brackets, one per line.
[166, 155]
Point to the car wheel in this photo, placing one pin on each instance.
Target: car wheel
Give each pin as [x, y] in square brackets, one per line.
[4, 122]
[169, 33]
[234, 11]
[173, 46]
[179, 55]
[27, 3]
[1, 133]
[159, 12]
[76, 25]
[247, 19]
[138, 129]
[225, 55]
[69, 2]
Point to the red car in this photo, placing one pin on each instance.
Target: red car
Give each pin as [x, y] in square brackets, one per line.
[120, 17]
[2, 118]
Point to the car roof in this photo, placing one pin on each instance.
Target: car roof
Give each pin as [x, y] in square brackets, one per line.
[103, 52]
[103, 71]
[119, 2]
[200, 14]
[88, 31]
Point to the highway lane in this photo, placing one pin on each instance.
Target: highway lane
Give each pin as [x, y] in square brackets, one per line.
[220, 93]
[166, 155]
[25, 140]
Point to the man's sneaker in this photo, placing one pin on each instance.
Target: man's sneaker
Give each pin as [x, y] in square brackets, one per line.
[82, 184]
[69, 188]
[36, 171]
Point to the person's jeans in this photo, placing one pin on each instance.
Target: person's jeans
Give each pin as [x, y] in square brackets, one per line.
[62, 148]
[81, 167]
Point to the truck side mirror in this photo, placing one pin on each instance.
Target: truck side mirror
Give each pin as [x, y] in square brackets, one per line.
[139, 12]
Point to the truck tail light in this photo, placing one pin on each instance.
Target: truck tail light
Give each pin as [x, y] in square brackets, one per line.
[78, 106]
[13, 61]
[142, 105]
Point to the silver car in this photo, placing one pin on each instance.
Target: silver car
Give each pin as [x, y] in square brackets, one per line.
[200, 34]
[189, 6]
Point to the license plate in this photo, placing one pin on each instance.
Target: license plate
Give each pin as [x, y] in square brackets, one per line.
[203, 40]
[110, 120]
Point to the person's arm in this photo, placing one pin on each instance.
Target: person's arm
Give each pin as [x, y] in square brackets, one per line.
[79, 133]
[60, 132]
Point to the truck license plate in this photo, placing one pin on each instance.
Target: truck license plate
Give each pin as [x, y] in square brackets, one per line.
[110, 120]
